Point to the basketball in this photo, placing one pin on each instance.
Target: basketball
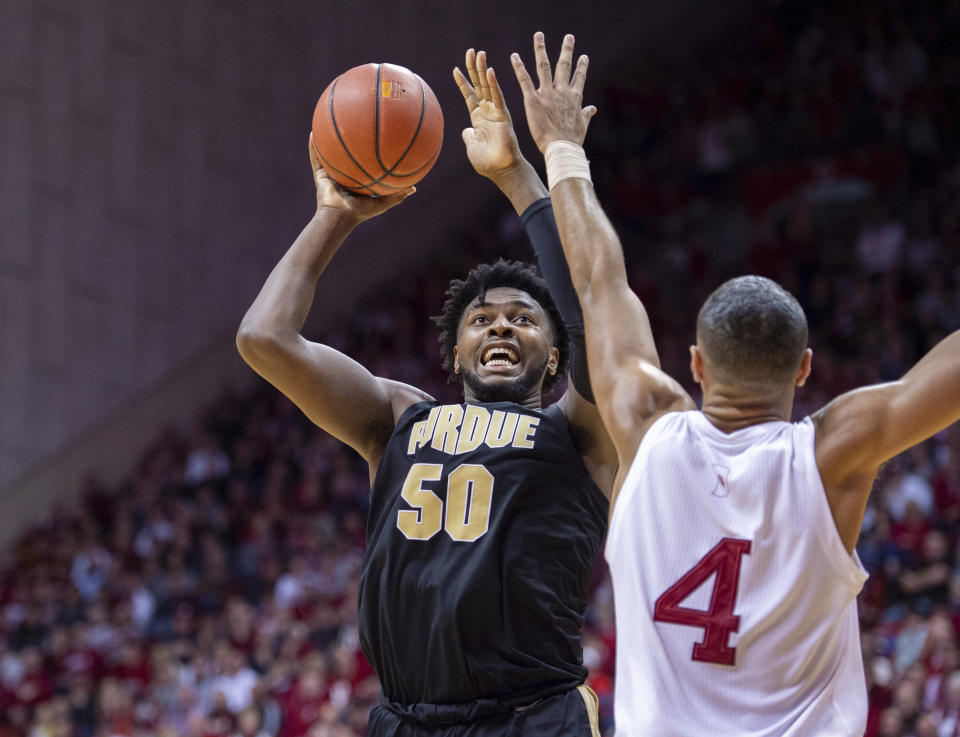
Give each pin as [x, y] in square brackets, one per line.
[378, 128]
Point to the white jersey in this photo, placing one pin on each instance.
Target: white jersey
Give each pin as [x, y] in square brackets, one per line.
[735, 597]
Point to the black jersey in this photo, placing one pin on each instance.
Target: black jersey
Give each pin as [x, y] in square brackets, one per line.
[481, 539]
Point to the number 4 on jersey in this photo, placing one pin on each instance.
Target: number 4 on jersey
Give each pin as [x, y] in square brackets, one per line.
[719, 620]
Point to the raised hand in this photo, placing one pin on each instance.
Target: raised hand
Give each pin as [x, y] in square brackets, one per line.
[491, 142]
[554, 111]
[355, 207]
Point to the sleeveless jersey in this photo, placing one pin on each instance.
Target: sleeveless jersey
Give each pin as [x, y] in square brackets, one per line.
[482, 535]
[735, 597]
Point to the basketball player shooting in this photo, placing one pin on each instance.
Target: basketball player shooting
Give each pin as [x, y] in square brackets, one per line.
[732, 532]
[485, 516]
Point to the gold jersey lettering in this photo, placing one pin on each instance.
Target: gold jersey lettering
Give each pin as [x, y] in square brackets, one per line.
[452, 429]
[445, 435]
[502, 427]
[421, 432]
[469, 493]
[526, 429]
[474, 428]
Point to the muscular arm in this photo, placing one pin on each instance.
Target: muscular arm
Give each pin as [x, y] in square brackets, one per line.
[578, 402]
[333, 390]
[630, 389]
[859, 431]
[493, 151]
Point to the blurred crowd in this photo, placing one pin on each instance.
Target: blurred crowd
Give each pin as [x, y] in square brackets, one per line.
[214, 593]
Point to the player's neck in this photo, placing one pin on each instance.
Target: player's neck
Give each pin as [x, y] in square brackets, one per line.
[729, 408]
[530, 401]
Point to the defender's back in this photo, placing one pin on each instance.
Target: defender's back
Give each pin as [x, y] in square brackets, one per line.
[735, 598]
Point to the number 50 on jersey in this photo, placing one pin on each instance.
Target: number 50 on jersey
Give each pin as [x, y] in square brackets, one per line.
[466, 515]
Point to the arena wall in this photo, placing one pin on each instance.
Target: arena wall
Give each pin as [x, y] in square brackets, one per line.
[153, 168]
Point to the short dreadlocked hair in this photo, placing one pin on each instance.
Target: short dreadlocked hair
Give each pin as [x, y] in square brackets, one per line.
[502, 273]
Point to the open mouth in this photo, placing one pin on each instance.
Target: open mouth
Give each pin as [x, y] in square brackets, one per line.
[499, 356]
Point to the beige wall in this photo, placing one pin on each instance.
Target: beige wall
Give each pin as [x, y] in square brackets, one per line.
[152, 170]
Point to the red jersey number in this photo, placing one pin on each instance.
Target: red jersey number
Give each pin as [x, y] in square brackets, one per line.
[719, 620]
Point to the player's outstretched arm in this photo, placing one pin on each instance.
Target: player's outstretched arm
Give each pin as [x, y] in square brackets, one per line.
[630, 388]
[333, 390]
[863, 429]
[494, 153]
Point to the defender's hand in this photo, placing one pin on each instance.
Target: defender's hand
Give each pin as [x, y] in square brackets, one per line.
[554, 111]
[354, 207]
[491, 142]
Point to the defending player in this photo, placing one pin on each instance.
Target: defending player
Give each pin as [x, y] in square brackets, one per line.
[732, 533]
[486, 516]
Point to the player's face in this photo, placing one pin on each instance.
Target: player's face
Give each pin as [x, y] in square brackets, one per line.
[505, 347]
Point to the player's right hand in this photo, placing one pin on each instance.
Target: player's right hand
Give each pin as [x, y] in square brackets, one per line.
[554, 111]
[491, 142]
[356, 208]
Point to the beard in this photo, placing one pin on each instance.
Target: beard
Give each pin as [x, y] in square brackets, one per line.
[515, 392]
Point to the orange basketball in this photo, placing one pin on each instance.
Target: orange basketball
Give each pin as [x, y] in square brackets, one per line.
[378, 128]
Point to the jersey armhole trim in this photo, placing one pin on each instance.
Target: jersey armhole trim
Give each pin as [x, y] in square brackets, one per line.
[413, 408]
[629, 488]
[554, 412]
[847, 565]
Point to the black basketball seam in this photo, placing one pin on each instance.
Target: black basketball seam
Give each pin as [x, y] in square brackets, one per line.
[359, 184]
[379, 182]
[424, 166]
[385, 172]
[336, 128]
[376, 124]
[331, 167]
[423, 108]
[429, 162]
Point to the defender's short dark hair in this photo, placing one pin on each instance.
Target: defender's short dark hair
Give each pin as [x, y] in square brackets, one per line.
[752, 330]
[501, 273]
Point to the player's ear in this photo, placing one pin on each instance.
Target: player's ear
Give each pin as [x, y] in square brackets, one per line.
[696, 364]
[554, 361]
[805, 366]
[456, 360]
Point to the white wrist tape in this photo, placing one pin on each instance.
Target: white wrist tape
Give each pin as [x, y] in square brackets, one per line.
[565, 160]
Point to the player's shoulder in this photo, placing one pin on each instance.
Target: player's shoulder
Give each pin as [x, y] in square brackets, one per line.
[662, 392]
[668, 426]
[403, 397]
[671, 422]
[643, 394]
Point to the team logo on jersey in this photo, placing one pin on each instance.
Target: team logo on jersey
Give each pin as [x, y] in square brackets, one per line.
[722, 487]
